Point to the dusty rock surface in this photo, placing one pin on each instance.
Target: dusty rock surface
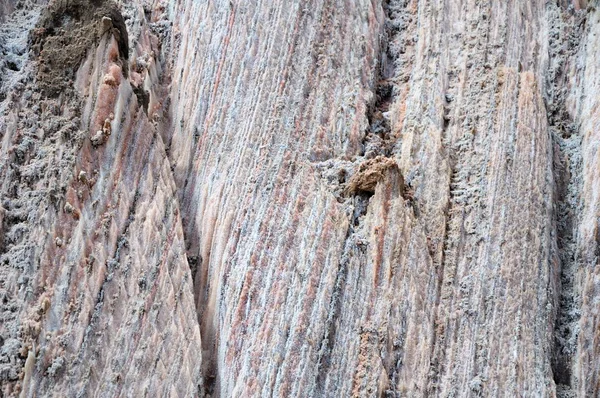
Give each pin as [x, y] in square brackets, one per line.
[303, 198]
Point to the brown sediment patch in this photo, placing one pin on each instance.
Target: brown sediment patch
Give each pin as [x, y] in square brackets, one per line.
[65, 33]
[369, 173]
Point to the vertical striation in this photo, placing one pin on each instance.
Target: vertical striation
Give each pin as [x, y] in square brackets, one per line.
[306, 198]
[96, 289]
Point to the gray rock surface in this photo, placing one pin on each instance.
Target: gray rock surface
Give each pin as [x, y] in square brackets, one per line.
[302, 198]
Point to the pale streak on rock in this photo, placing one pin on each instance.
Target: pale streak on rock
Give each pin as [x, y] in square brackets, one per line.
[314, 274]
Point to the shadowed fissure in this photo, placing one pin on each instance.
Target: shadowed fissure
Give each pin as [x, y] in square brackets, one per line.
[564, 38]
[378, 142]
[377, 154]
[567, 174]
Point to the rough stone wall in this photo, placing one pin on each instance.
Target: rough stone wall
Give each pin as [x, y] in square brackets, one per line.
[302, 198]
[97, 296]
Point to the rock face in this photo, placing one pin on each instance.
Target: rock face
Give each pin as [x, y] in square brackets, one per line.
[300, 198]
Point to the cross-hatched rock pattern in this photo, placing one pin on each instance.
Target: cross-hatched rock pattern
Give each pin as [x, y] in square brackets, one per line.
[393, 198]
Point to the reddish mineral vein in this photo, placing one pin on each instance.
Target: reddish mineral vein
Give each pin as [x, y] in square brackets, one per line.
[305, 198]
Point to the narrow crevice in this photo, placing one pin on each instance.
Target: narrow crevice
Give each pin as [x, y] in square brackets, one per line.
[210, 381]
[376, 158]
[378, 139]
[567, 174]
[143, 97]
[352, 246]
[161, 28]
[361, 203]
[565, 30]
